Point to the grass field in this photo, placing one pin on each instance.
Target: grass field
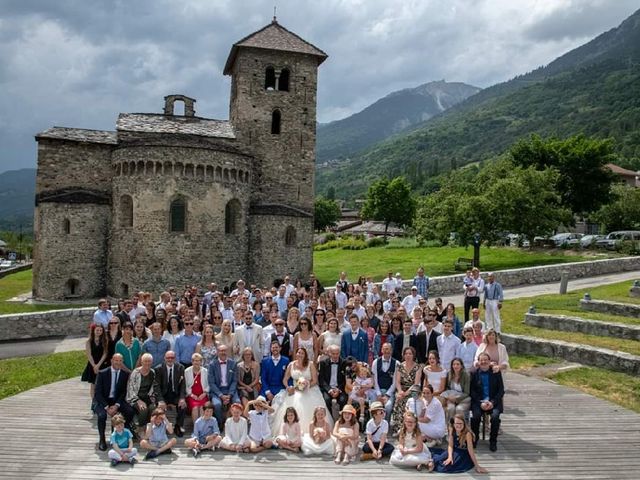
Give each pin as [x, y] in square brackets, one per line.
[20, 374]
[513, 314]
[378, 261]
[17, 284]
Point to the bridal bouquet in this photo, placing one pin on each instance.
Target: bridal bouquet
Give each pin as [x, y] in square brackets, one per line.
[301, 384]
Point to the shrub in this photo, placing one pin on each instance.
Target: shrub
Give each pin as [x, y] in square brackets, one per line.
[376, 242]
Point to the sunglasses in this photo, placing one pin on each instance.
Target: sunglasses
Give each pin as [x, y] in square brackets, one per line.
[188, 323]
[114, 323]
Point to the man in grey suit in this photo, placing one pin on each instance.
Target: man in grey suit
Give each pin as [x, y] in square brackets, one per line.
[249, 335]
[223, 384]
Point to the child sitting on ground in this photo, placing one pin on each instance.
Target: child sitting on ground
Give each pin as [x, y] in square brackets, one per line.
[122, 449]
[410, 451]
[235, 431]
[155, 438]
[290, 437]
[376, 446]
[259, 429]
[318, 441]
[346, 435]
[206, 433]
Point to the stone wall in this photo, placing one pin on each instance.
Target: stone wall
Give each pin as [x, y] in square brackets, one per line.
[611, 308]
[589, 327]
[451, 285]
[16, 269]
[573, 352]
[23, 326]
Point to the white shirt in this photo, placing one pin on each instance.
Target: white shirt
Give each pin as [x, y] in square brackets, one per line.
[223, 374]
[378, 429]
[410, 302]
[333, 381]
[447, 348]
[385, 368]
[259, 429]
[115, 376]
[236, 432]
[360, 311]
[389, 285]
[341, 299]
[467, 353]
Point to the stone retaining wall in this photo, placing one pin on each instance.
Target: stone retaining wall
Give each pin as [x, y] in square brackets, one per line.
[16, 269]
[23, 326]
[452, 284]
[581, 325]
[573, 352]
[611, 308]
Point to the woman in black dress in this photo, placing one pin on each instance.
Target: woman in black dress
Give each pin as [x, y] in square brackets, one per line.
[96, 348]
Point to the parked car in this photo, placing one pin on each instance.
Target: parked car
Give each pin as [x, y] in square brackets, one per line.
[4, 264]
[589, 240]
[566, 239]
[612, 240]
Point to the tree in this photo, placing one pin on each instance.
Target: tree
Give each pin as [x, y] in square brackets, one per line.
[326, 213]
[584, 183]
[623, 212]
[500, 198]
[390, 201]
[331, 193]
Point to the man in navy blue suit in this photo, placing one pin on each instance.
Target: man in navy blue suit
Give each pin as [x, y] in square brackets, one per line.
[109, 399]
[487, 390]
[354, 341]
[223, 384]
[272, 372]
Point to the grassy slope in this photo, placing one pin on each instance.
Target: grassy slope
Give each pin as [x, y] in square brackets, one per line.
[437, 261]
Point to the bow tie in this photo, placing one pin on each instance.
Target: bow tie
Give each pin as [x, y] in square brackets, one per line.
[248, 327]
[259, 413]
[335, 363]
[223, 363]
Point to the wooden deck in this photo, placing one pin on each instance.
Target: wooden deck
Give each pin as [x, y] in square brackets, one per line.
[550, 432]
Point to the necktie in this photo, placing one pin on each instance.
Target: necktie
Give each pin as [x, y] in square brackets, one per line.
[117, 377]
[171, 378]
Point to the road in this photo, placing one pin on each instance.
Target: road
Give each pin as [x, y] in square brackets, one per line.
[66, 344]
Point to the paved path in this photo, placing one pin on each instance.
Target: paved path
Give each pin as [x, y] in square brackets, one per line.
[549, 432]
[39, 347]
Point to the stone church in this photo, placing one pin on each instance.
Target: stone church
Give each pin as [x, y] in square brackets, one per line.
[174, 199]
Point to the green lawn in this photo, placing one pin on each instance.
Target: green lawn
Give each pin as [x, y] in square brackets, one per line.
[437, 261]
[20, 374]
[513, 314]
[17, 284]
[613, 386]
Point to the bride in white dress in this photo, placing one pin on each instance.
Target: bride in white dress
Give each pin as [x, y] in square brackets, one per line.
[304, 395]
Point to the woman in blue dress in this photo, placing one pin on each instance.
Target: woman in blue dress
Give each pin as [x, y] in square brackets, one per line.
[460, 455]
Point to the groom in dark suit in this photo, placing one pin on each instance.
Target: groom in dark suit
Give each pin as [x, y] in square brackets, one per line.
[223, 384]
[272, 370]
[487, 390]
[109, 399]
[354, 341]
[332, 379]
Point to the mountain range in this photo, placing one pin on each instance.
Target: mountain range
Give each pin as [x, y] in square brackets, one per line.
[388, 116]
[17, 193]
[593, 89]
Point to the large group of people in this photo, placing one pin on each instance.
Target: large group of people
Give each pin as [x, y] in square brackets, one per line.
[303, 369]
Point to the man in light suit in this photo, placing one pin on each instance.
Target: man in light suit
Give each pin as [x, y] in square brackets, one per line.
[170, 388]
[223, 384]
[109, 399]
[354, 341]
[249, 335]
[272, 370]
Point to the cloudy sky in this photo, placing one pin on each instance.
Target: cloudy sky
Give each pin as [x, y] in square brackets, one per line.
[78, 63]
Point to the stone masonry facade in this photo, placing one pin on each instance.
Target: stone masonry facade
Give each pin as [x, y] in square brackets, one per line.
[173, 200]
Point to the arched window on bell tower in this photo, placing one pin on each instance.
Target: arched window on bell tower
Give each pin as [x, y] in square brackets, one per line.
[283, 80]
[275, 122]
[270, 79]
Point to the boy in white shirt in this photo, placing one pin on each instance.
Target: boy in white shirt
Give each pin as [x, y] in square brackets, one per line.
[259, 430]
[376, 446]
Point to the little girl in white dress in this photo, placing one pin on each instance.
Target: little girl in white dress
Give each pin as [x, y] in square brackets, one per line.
[410, 451]
[362, 388]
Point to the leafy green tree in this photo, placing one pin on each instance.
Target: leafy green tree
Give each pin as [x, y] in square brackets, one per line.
[584, 182]
[390, 201]
[331, 193]
[500, 198]
[623, 212]
[326, 213]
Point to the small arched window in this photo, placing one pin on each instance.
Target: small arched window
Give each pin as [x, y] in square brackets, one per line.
[283, 80]
[72, 288]
[126, 211]
[178, 215]
[66, 226]
[270, 79]
[290, 237]
[275, 122]
[232, 217]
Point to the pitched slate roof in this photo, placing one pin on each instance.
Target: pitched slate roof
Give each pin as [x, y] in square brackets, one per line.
[274, 37]
[158, 123]
[79, 135]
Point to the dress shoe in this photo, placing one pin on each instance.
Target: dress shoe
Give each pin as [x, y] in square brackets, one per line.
[102, 446]
[493, 446]
[178, 431]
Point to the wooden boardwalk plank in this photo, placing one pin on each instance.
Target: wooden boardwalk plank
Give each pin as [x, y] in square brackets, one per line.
[550, 432]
